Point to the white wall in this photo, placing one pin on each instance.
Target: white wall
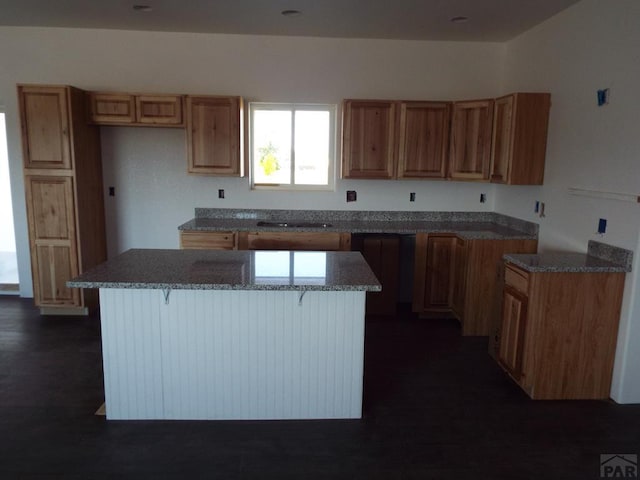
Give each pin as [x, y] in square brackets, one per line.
[148, 167]
[591, 46]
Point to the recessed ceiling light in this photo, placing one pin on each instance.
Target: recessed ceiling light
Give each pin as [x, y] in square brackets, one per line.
[291, 13]
[460, 19]
[142, 8]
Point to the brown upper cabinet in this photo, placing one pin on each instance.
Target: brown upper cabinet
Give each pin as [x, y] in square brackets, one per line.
[470, 141]
[520, 123]
[384, 139]
[368, 139]
[424, 133]
[214, 135]
[132, 110]
[46, 140]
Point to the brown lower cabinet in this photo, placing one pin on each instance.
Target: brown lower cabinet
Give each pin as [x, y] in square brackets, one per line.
[559, 332]
[434, 273]
[461, 277]
[327, 241]
[382, 253]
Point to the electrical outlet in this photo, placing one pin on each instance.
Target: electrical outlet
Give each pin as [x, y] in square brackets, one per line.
[112, 191]
[220, 193]
[352, 196]
[603, 97]
[602, 226]
[483, 197]
[536, 209]
[412, 197]
[542, 214]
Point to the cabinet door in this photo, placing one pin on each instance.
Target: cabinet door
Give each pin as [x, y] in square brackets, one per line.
[459, 278]
[502, 139]
[514, 319]
[163, 110]
[382, 253]
[368, 139]
[520, 138]
[44, 118]
[424, 135]
[434, 272]
[470, 149]
[214, 135]
[112, 108]
[52, 235]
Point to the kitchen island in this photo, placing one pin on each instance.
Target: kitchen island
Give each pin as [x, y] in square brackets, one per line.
[202, 335]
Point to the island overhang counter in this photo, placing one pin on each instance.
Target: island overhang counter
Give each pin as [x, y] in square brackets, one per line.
[231, 335]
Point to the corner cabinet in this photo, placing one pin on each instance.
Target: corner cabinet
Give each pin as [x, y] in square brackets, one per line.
[470, 140]
[520, 124]
[63, 186]
[214, 135]
[559, 332]
[460, 277]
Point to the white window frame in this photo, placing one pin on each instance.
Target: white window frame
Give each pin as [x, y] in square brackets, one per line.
[332, 109]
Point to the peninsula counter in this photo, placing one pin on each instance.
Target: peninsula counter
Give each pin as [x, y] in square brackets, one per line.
[201, 334]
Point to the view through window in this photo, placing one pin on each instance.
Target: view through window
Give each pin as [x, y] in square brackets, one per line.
[292, 146]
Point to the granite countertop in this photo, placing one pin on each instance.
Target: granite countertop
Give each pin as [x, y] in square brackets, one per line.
[467, 225]
[231, 270]
[600, 257]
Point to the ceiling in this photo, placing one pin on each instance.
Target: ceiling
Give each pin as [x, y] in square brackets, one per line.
[488, 20]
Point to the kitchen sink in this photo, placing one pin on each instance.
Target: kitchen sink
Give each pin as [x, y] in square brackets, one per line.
[295, 224]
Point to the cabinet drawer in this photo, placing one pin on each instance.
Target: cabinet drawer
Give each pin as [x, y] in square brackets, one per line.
[208, 240]
[516, 278]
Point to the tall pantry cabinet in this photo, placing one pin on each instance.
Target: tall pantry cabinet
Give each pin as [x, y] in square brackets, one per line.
[63, 186]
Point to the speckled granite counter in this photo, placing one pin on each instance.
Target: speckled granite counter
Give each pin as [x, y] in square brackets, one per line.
[468, 225]
[600, 257]
[231, 270]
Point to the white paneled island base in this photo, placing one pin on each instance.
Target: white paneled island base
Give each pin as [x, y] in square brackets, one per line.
[232, 335]
[232, 354]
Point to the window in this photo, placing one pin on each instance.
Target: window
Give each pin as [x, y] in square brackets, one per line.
[292, 147]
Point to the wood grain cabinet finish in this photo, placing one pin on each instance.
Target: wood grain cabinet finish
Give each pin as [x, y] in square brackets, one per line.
[559, 332]
[159, 110]
[369, 139]
[136, 110]
[434, 273]
[214, 135]
[461, 277]
[423, 139]
[382, 253]
[470, 140]
[112, 108]
[208, 240]
[65, 209]
[51, 220]
[514, 315]
[320, 241]
[520, 124]
[46, 136]
[480, 281]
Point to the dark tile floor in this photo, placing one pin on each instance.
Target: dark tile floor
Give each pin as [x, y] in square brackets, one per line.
[435, 406]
